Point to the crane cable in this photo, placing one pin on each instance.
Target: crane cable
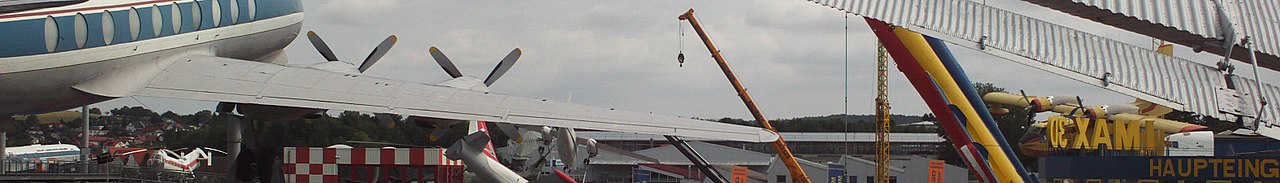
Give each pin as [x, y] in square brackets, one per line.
[680, 57]
[846, 85]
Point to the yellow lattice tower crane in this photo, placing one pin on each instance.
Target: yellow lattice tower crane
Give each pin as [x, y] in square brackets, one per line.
[882, 115]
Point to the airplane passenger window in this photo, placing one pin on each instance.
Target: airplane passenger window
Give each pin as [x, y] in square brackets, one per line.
[176, 18]
[253, 9]
[13, 6]
[81, 27]
[134, 23]
[156, 23]
[215, 9]
[50, 33]
[108, 27]
[195, 15]
[235, 11]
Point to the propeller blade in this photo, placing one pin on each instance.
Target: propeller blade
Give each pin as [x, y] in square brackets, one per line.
[511, 131]
[445, 63]
[131, 152]
[378, 52]
[170, 153]
[503, 67]
[321, 46]
[436, 134]
[215, 150]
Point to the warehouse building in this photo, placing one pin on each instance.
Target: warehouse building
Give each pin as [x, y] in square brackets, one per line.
[664, 163]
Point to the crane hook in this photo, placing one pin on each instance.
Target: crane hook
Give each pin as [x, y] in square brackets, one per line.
[680, 57]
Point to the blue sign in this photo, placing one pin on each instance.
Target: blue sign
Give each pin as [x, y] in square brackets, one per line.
[639, 176]
[835, 173]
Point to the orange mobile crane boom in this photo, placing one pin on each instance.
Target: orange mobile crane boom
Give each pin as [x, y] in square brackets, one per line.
[797, 174]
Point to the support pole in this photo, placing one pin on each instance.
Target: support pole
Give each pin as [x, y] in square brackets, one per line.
[4, 155]
[84, 116]
[697, 159]
[1257, 87]
[84, 146]
[234, 137]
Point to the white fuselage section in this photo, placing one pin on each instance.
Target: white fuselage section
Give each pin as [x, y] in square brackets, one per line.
[36, 82]
[1190, 144]
[37, 152]
[34, 156]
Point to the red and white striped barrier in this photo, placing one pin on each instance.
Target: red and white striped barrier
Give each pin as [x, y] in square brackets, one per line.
[315, 164]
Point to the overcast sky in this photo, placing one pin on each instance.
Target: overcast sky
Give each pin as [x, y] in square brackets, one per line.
[790, 54]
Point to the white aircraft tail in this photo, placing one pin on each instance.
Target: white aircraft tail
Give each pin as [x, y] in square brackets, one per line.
[480, 140]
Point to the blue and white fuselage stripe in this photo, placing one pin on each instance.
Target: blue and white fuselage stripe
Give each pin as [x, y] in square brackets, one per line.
[26, 35]
[43, 155]
[37, 152]
[65, 46]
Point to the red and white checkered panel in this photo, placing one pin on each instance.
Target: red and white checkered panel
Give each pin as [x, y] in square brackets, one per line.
[310, 165]
[313, 164]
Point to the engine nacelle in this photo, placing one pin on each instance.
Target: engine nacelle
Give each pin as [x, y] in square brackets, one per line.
[592, 151]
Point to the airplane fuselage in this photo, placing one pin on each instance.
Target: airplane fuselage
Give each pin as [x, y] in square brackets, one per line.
[48, 52]
[37, 152]
[55, 153]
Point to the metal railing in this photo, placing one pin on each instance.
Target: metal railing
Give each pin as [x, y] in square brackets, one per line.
[39, 170]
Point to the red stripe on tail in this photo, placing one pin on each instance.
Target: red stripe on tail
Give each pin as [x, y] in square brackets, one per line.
[565, 177]
[488, 147]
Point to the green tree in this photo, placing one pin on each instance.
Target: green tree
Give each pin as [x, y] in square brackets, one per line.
[133, 111]
[170, 115]
[16, 131]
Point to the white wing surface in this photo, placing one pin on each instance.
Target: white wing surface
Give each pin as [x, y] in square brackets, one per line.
[231, 80]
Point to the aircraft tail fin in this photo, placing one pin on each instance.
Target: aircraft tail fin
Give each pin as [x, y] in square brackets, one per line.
[478, 141]
[564, 177]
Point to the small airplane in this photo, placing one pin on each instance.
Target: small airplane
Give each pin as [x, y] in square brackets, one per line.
[174, 161]
[37, 153]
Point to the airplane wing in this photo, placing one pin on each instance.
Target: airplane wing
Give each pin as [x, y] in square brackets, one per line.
[230, 80]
